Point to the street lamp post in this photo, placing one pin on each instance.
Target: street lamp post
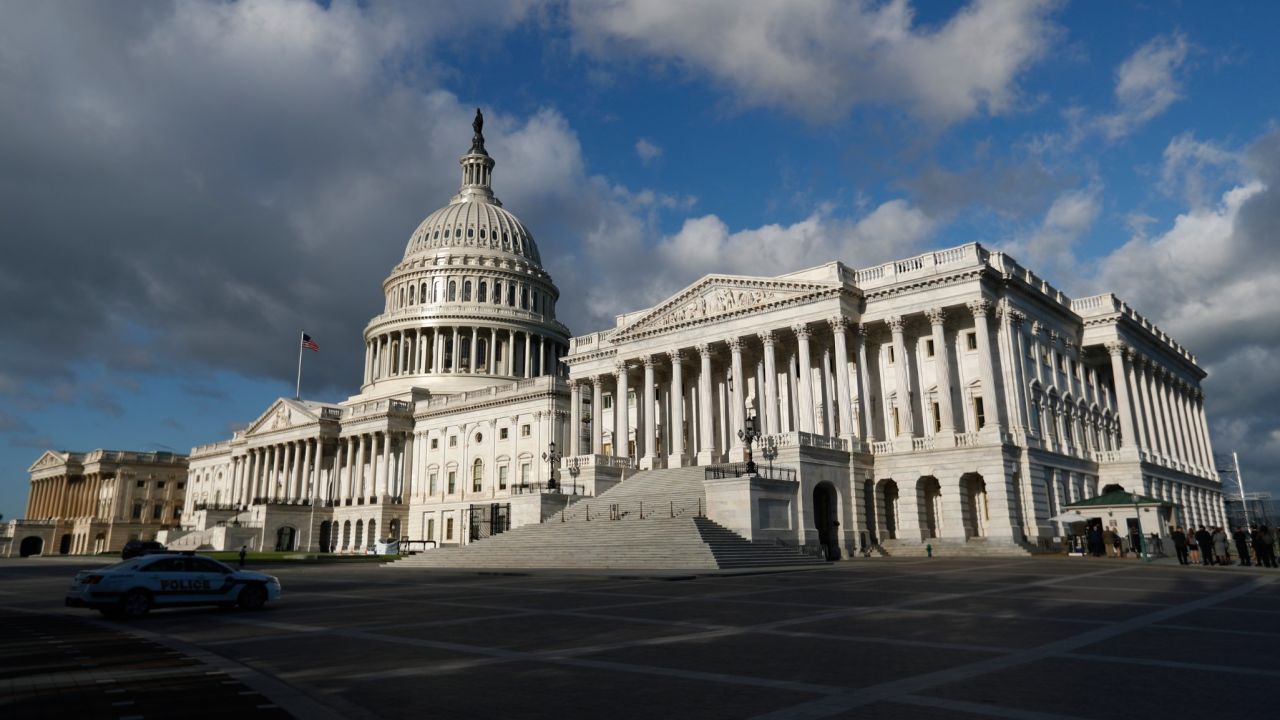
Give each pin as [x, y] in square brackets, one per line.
[748, 435]
[769, 449]
[552, 458]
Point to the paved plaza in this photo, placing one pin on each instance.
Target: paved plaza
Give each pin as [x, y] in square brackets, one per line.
[943, 638]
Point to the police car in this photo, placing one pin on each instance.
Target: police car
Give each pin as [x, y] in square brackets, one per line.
[131, 588]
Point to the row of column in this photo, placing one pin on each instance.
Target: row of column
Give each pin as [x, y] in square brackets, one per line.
[1160, 413]
[286, 472]
[371, 467]
[59, 497]
[460, 349]
[1197, 506]
[464, 289]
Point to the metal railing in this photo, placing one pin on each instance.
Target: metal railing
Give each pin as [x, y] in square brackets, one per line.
[216, 506]
[777, 472]
[538, 488]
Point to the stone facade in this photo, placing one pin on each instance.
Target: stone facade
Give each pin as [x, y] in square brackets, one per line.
[95, 502]
[953, 395]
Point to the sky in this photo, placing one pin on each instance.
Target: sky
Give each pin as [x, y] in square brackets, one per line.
[185, 186]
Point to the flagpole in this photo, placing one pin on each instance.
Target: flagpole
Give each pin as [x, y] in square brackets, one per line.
[297, 388]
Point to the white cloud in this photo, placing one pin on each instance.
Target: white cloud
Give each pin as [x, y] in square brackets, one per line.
[821, 58]
[647, 150]
[1193, 168]
[1049, 247]
[1146, 85]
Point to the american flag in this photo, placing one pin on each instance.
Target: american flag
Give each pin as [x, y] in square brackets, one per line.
[310, 344]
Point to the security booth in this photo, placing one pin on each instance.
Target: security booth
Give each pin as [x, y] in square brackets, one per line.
[1143, 521]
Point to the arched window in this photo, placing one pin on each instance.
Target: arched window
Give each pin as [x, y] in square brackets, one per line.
[511, 295]
[482, 293]
[453, 291]
[481, 233]
[471, 232]
[466, 291]
[477, 475]
[373, 533]
[423, 293]
[412, 294]
[457, 232]
[524, 298]
[359, 535]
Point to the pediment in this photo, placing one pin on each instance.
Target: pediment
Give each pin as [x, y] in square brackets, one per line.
[716, 297]
[49, 459]
[282, 415]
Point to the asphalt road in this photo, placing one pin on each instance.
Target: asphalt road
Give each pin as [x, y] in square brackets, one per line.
[1027, 639]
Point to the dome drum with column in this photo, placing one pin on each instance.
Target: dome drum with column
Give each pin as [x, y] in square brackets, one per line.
[470, 303]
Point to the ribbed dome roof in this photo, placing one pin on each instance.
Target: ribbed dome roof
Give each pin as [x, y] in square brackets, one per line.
[473, 223]
[474, 218]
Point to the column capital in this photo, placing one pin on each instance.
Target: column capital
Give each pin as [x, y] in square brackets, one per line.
[734, 343]
[861, 330]
[676, 356]
[767, 337]
[597, 381]
[838, 323]
[937, 316]
[704, 349]
[1037, 327]
[980, 307]
[895, 323]
[619, 366]
[802, 330]
[648, 361]
[1115, 349]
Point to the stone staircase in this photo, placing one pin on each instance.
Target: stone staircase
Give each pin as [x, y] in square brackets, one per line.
[670, 535]
[952, 547]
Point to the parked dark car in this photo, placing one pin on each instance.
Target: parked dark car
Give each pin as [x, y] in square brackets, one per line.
[134, 548]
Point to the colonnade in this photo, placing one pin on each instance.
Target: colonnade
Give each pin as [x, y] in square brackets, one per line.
[65, 496]
[468, 289]
[461, 349]
[284, 472]
[1161, 414]
[1198, 506]
[372, 467]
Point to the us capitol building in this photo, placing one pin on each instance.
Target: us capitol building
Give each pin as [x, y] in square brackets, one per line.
[953, 398]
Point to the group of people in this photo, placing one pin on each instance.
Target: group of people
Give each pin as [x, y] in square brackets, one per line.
[1213, 546]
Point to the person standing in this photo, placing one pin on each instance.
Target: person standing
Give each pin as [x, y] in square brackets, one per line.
[1180, 545]
[1221, 548]
[1109, 540]
[1242, 545]
[1205, 543]
[243, 548]
[1264, 546]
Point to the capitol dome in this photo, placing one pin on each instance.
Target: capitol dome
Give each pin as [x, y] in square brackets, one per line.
[469, 305]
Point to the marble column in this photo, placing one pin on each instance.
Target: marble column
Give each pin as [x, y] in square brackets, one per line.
[737, 400]
[621, 412]
[676, 458]
[839, 329]
[868, 427]
[1120, 378]
[771, 423]
[804, 388]
[575, 419]
[942, 368]
[706, 424]
[597, 415]
[906, 423]
[381, 488]
[990, 391]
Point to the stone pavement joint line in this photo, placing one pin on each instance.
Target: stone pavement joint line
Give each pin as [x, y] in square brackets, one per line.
[828, 706]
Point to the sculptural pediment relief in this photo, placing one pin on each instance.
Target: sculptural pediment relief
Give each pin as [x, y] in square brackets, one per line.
[714, 297]
[282, 414]
[47, 460]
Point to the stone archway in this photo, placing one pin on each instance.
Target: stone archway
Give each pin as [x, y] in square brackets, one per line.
[929, 497]
[64, 545]
[346, 534]
[973, 488]
[870, 513]
[393, 529]
[326, 531]
[286, 538]
[826, 505]
[887, 499]
[358, 539]
[32, 545]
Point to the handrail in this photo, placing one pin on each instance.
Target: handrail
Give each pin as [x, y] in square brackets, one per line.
[538, 488]
[716, 472]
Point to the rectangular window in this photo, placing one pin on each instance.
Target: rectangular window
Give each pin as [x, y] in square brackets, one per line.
[631, 398]
[156, 512]
[181, 485]
[937, 417]
[897, 427]
[502, 477]
[433, 478]
[928, 348]
[524, 473]
[502, 434]
[435, 443]
[160, 485]
[431, 529]
[979, 417]
[448, 529]
[453, 481]
[607, 402]
[477, 473]
[453, 441]
[137, 511]
[889, 353]
[142, 483]
[971, 340]
[1062, 363]
[524, 431]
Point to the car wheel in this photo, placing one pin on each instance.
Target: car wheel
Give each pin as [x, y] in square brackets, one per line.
[252, 597]
[136, 603]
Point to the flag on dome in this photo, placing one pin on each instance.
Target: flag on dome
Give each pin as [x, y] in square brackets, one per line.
[310, 344]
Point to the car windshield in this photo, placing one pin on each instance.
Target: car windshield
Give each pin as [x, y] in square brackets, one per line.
[130, 563]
